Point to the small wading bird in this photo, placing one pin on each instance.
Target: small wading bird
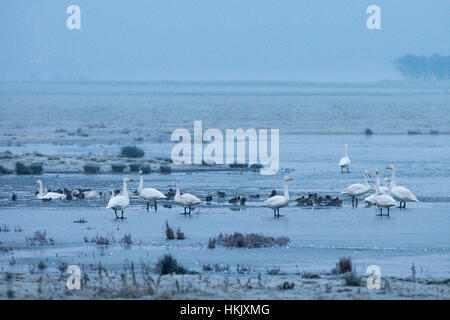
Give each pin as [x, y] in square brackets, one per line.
[149, 194]
[357, 189]
[345, 161]
[382, 200]
[186, 200]
[276, 202]
[399, 193]
[121, 201]
[44, 195]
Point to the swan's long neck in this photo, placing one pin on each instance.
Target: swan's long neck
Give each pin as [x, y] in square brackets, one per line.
[393, 182]
[365, 180]
[177, 193]
[141, 183]
[41, 188]
[346, 151]
[377, 186]
[286, 191]
[125, 191]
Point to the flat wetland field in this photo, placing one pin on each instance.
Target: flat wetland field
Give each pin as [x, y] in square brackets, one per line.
[119, 258]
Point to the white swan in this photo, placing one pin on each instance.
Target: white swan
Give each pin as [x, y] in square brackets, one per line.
[382, 200]
[44, 195]
[278, 201]
[121, 201]
[345, 161]
[357, 189]
[399, 193]
[383, 190]
[187, 200]
[149, 194]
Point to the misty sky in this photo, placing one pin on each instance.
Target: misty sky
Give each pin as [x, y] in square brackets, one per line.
[216, 39]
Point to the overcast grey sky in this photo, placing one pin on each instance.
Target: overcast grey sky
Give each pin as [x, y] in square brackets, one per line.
[294, 40]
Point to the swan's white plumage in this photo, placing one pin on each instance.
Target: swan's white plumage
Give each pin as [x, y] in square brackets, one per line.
[370, 199]
[398, 192]
[122, 200]
[382, 200]
[357, 189]
[345, 161]
[149, 193]
[278, 201]
[44, 195]
[185, 199]
[118, 202]
[383, 190]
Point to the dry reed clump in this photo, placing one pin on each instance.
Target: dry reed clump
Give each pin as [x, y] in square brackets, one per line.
[132, 152]
[168, 265]
[344, 265]
[251, 240]
[171, 235]
[101, 240]
[39, 238]
[126, 240]
[180, 235]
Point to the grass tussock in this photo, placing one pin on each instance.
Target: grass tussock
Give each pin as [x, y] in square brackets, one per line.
[168, 265]
[6, 155]
[165, 169]
[132, 152]
[91, 168]
[126, 240]
[117, 167]
[180, 235]
[251, 240]
[344, 265]
[101, 240]
[34, 168]
[212, 243]
[146, 169]
[134, 167]
[39, 238]
[351, 279]
[170, 234]
[4, 170]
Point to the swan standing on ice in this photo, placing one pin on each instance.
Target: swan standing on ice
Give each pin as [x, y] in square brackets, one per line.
[44, 195]
[383, 190]
[276, 202]
[382, 200]
[187, 200]
[357, 189]
[149, 194]
[399, 193]
[345, 161]
[121, 201]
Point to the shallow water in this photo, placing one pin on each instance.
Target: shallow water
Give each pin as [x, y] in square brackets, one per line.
[32, 111]
[319, 236]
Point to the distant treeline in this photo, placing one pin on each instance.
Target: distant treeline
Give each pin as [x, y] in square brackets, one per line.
[434, 67]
